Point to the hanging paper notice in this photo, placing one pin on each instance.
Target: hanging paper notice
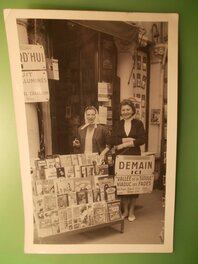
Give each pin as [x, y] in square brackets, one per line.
[134, 174]
[103, 114]
[102, 92]
[35, 84]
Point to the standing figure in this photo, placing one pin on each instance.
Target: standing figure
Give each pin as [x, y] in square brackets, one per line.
[128, 136]
[93, 137]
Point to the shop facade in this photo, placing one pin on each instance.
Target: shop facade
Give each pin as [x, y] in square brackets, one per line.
[130, 57]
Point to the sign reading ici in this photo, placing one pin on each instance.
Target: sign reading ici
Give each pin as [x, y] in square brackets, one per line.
[32, 57]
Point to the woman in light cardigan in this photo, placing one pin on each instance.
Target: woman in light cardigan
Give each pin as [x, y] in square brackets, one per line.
[128, 136]
[92, 136]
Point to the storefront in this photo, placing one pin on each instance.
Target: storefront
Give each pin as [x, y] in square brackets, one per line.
[130, 57]
[84, 59]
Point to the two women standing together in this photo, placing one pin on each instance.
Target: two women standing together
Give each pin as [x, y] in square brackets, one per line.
[127, 136]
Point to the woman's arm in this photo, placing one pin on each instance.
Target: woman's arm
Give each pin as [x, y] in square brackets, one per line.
[117, 134]
[141, 134]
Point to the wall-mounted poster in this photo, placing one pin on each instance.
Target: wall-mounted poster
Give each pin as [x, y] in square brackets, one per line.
[155, 116]
[71, 192]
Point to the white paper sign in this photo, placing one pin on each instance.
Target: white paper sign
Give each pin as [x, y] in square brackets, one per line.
[134, 165]
[102, 92]
[35, 84]
[103, 114]
[32, 57]
[134, 174]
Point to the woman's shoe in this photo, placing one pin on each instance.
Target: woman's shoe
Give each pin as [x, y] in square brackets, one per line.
[131, 218]
[124, 215]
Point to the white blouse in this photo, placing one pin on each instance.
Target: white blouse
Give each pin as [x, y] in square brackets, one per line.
[127, 126]
[88, 139]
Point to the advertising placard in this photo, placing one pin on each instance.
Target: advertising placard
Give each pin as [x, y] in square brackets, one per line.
[35, 84]
[34, 74]
[134, 174]
[134, 165]
[32, 57]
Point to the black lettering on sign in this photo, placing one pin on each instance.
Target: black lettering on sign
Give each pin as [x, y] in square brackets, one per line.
[31, 57]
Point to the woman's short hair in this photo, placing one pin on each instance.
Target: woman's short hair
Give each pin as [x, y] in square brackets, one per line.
[129, 103]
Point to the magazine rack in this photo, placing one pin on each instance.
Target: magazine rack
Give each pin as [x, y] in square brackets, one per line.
[87, 229]
[72, 194]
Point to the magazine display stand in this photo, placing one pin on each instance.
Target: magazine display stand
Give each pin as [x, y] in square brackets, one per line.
[72, 194]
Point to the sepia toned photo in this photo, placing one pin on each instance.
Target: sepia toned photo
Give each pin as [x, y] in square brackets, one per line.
[95, 98]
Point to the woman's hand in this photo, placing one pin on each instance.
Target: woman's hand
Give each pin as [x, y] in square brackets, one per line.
[125, 145]
[103, 155]
[76, 143]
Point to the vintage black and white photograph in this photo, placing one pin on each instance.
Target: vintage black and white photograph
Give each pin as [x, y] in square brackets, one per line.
[95, 98]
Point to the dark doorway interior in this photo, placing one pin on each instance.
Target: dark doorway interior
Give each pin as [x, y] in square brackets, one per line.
[85, 57]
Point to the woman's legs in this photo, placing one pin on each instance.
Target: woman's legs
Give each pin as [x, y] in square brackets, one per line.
[125, 206]
[131, 203]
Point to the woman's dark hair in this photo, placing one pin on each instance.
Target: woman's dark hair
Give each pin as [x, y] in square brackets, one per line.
[129, 103]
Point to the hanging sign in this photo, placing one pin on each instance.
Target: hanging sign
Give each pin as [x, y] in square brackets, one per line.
[35, 84]
[32, 57]
[52, 69]
[134, 174]
[103, 92]
[34, 74]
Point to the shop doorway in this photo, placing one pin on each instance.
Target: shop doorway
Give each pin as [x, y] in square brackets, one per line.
[85, 57]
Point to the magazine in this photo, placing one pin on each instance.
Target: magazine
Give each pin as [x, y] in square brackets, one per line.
[49, 202]
[82, 184]
[65, 160]
[74, 159]
[62, 201]
[102, 170]
[100, 213]
[82, 197]
[72, 199]
[103, 181]
[110, 193]
[60, 172]
[114, 211]
[38, 187]
[44, 228]
[48, 186]
[96, 195]
[50, 163]
[82, 159]
[64, 185]
[50, 173]
[77, 170]
[69, 171]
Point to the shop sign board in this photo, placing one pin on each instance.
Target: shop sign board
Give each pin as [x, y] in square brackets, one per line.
[35, 84]
[34, 74]
[32, 57]
[134, 174]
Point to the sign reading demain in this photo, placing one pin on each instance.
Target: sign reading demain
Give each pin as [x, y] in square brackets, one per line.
[35, 81]
[134, 174]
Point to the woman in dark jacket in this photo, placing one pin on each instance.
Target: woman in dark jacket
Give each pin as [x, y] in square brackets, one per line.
[92, 136]
[128, 136]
